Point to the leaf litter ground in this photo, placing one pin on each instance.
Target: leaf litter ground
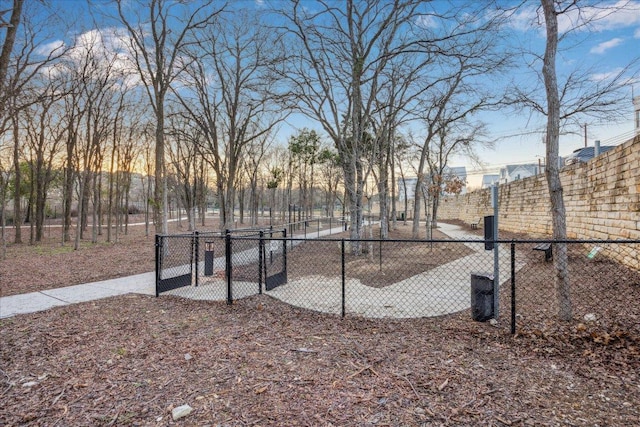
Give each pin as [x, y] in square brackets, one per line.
[130, 360]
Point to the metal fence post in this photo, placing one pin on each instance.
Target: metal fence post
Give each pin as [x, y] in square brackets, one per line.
[270, 247]
[513, 288]
[158, 243]
[196, 246]
[261, 260]
[229, 265]
[284, 251]
[344, 293]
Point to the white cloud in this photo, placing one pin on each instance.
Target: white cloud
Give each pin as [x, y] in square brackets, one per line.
[598, 77]
[605, 46]
[605, 16]
[637, 34]
[524, 19]
[426, 21]
[49, 48]
[109, 52]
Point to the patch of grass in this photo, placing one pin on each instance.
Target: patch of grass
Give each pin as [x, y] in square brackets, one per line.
[52, 250]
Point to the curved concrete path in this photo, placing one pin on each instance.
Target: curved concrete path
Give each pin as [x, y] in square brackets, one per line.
[449, 289]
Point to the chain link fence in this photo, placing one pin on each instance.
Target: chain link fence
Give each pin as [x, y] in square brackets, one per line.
[517, 282]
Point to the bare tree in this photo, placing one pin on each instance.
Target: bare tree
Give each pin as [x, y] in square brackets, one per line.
[464, 51]
[398, 96]
[338, 54]
[5, 179]
[11, 30]
[183, 154]
[253, 167]
[568, 99]
[459, 137]
[93, 103]
[21, 62]
[330, 177]
[44, 133]
[304, 150]
[228, 93]
[156, 45]
[552, 172]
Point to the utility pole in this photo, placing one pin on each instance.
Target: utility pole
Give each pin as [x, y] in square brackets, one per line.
[585, 135]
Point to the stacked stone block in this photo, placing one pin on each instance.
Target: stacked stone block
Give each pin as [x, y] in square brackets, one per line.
[602, 200]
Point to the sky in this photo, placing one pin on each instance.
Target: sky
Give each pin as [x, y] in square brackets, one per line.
[609, 42]
[601, 49]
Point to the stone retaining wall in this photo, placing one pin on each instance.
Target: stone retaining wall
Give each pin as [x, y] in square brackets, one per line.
[602, 198]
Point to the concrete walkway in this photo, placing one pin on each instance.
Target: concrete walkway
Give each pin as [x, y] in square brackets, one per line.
[43, 300]
[451, 292]
[443, 290]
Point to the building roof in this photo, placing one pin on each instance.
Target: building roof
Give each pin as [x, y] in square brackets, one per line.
[490, 179]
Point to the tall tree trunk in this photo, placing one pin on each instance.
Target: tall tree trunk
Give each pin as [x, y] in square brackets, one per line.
[68, 187]
[241, 203]
[40, 196]
[394, 196]
[4, 182]
[100, 221]
[417, 195]
[76, 242]
[160, 190]
[558, 213]
[111, 195]
[146, 206]
[17, 211]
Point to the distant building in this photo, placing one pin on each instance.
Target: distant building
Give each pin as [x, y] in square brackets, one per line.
[410, 183]
[489, 180]
[512, 173]
[407, 186]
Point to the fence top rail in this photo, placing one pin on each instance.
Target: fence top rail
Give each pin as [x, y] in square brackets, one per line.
[183, 235]
[500, 241]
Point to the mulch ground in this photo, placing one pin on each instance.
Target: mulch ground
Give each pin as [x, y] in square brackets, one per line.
[381, 264]
[130, 360]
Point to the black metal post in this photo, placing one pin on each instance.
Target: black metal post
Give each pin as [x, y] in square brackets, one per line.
[229, 265]
[158, 243]
[319, 219]
[284, 251]
[513, 288]
[197, 254]
[344, 293]
[260, 260]
[270, 247]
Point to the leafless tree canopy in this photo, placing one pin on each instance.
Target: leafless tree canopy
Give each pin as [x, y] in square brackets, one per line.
[180, 107]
